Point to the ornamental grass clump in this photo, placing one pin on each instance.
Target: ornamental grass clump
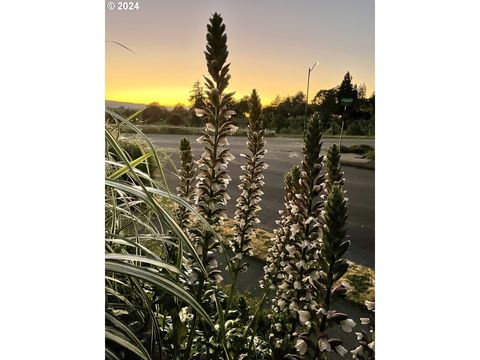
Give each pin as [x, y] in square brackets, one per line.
[145, 292]
[251, 183]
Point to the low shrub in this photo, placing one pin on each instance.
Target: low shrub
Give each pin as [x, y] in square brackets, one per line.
[356, 149]
[183, 130]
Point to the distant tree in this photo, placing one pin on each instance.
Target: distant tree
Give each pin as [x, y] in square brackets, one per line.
[326, 100]
[371, 100]
[362, 91]
[154, 113]
[178, 115]
[197, 95]
[346, 89]
[241, 106]
[298, 104]
[276, 101]
[279, 121]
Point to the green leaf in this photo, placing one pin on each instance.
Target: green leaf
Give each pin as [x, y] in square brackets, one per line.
[122, 327]
[143, 259]
[117, 337]
[132, 164]
[162, 282]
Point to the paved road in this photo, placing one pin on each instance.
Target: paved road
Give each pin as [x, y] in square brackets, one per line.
[283, 154]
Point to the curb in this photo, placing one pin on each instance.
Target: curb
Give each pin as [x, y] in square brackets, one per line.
[368, 165]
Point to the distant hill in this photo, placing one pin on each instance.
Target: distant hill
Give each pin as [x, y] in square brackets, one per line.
[116, 104]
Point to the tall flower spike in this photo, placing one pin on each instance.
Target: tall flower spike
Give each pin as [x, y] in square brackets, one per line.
[332, 164]
[186, 176]
[251, 183]
[298, 284]
[211, 193]
[333, 248]
[275, 268]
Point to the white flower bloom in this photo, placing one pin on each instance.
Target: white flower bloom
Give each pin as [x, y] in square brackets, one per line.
[372, 345]
[303, 316]
[281, 304]
[324, 345]
[290, 249]
[183, 314]
[228, 114]
[288, 269]
[297, 285]
[365, 321]
[359, 335]
[321, 312]
[200, 112]
[341, 350]
[283, 286]
[301, 264]
[212, 264]
[228, 157]
[358, 351]
[309, 220]
[301, 346]
[278, 326]
[295, 228]
[293, 306]
[209, 127]
[347, 325]
[223, 142]
[370, 304]
[218, 278]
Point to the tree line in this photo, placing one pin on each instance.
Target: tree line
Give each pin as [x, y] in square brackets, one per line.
[283, 115]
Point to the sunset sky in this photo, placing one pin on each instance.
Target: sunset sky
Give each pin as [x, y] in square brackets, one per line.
[271, 44]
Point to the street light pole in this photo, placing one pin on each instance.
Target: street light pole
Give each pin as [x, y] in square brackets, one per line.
[306, 100]
[341, 131]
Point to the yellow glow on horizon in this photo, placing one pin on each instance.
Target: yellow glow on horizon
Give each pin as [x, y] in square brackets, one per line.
[164, 96]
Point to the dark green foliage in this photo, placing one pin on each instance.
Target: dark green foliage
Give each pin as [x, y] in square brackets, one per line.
[154, 113]
[334, 244]
[197, 95]
[135, 148]
[334, 172]
[334, 228]
[187, 179]
[313, 143]
[217, 52]
[347, 89]
[356, 149]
